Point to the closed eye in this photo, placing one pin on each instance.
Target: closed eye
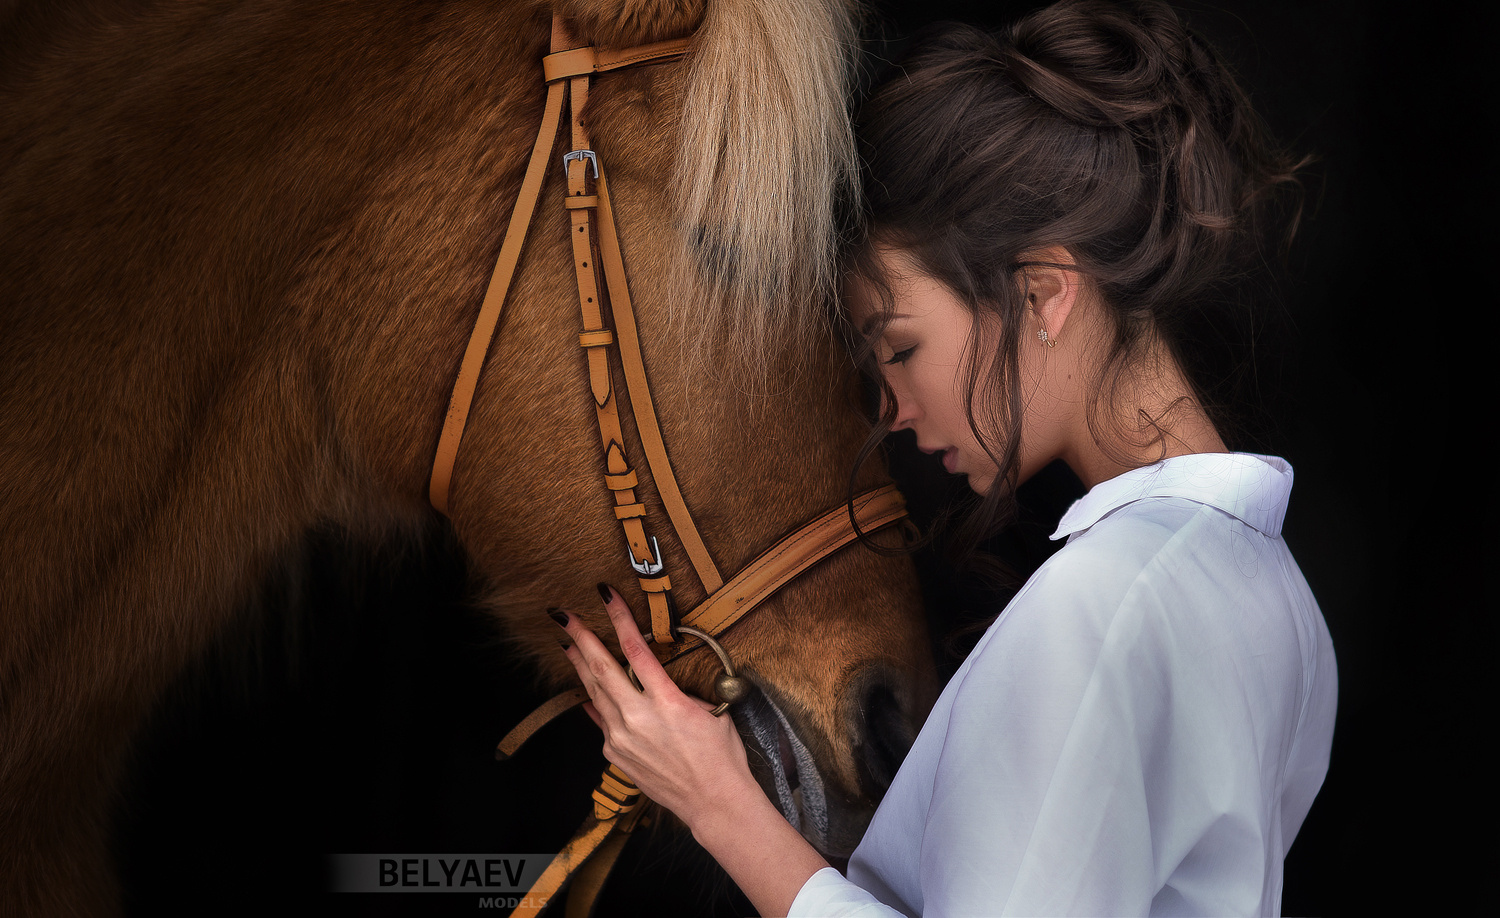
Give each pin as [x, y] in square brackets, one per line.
[901, 356]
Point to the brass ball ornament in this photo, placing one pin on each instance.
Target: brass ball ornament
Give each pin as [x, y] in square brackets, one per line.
[731, 689]
[728, 687]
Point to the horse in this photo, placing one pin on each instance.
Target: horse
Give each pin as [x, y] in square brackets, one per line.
[243, 248]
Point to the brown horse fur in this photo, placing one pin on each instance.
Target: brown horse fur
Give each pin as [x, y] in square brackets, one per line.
[241, 249]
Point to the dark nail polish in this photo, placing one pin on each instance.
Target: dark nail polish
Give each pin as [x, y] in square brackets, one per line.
[605, 592]
[564, 644]
[559, 616]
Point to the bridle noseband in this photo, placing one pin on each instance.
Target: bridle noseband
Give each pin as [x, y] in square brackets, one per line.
[568, 72]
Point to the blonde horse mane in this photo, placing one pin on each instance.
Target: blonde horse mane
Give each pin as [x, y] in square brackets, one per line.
[767, 157]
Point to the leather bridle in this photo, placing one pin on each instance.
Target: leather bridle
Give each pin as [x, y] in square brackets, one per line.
[568, 71]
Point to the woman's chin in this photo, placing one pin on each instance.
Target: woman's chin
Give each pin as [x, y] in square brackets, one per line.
[980, 482]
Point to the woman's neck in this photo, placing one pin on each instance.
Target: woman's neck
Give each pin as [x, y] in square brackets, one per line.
[1181, 430]
[1099, 418]
[1101, 421]
[1152, 414]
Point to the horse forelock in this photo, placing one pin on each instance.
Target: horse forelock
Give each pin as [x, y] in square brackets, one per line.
[766, 157]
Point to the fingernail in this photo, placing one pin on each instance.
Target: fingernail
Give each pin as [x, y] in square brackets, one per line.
[564, 644]
[605, 592]
[559, 616]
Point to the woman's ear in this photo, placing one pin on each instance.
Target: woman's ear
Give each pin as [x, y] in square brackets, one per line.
[1053, 287]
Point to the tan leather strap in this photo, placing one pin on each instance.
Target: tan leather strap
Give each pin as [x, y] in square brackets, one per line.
[588, 879]
[440, 485]
[536, 720]
[592, 214]
[596, 340]
[494, 300]
[791, 556]
[639, 389]
[593, 835]
[567, 862]
[560, 65]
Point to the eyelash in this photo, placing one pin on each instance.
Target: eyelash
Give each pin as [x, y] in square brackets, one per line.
[901, 356]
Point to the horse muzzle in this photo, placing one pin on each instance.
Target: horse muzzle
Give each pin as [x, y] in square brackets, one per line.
[784, 757]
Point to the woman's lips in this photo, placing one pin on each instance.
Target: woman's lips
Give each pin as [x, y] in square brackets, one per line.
[949, 456]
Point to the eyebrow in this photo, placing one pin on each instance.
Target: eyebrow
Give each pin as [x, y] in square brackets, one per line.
[867, 327]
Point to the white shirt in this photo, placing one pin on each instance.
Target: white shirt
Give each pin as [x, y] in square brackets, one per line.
[1141, 732]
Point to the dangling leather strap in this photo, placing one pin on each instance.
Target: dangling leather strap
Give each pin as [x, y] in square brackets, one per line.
[588, 880]
[536, 720]
[617, 809]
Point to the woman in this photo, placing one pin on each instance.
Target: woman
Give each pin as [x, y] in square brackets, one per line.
[1143, 729]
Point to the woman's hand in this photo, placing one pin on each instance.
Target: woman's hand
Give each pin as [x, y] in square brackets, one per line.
[678, 753]
[689, 761]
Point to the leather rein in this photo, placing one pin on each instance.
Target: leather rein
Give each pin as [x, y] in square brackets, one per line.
[568, 72]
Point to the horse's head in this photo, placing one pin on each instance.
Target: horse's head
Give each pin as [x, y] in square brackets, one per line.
[724, 171]
[245, 245]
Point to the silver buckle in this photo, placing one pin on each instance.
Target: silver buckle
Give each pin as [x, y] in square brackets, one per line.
[590, 155]
[647, 568]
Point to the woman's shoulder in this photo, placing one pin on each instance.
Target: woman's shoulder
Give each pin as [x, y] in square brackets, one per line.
[1139, 539]
[1164, 566]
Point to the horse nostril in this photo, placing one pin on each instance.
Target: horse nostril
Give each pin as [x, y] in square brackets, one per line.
[883, 735]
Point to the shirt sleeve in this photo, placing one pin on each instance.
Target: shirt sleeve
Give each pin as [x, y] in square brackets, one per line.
[827, 894]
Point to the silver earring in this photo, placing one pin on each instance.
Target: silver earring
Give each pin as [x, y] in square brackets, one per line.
[1042, 336]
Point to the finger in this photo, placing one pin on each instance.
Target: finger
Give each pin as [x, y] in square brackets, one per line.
[637, 652]
[597, 668]
[565, 640]
[593, 713]
[602, 708]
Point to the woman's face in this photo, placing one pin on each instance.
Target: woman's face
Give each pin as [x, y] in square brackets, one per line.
[921, 355]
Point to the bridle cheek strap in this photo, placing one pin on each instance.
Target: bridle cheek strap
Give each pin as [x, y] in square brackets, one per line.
[441, 483]
[556, 67]
[571, 68]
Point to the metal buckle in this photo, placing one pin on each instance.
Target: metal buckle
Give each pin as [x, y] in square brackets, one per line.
[647, 568]
[590, 155]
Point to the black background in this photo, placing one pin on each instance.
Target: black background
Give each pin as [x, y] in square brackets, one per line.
[367, 722]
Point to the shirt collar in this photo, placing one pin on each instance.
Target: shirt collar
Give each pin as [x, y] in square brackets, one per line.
[1250, 488]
